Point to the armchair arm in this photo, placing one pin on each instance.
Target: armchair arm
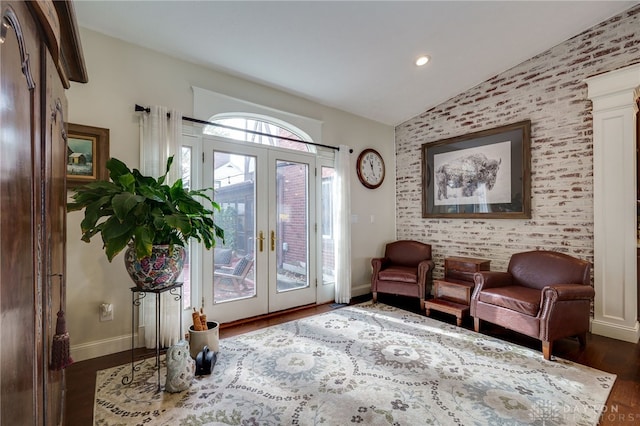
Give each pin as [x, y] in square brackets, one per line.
[423, 269]
[217, 274]
[568, 292]
[378, 263]
[490, 279]
[223, 268]
[564, 310]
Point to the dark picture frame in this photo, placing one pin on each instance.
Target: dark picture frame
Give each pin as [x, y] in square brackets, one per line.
[87, 154]
[486, 174]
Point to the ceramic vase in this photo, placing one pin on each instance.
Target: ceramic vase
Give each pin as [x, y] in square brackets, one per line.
[159, 270]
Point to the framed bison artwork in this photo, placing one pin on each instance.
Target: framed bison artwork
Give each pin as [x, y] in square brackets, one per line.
[480, 175]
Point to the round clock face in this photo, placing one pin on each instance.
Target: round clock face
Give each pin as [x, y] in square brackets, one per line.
[370, 168]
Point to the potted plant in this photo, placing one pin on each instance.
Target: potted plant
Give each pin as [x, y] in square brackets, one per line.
[151, 219]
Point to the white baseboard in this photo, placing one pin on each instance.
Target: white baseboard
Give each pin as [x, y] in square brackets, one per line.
[361, 290]
[616, 331]
[113, 345]
[102, 347]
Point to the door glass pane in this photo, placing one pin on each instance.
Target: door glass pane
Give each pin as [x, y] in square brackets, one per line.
[326, 226]
[290, 238]
[233, 260]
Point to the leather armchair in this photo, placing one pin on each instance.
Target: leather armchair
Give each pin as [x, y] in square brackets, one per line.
[544, 294]
[405, 270]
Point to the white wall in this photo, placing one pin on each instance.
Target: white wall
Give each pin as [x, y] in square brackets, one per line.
[121, 75]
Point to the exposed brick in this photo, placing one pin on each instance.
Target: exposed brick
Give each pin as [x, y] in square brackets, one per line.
[549, 90]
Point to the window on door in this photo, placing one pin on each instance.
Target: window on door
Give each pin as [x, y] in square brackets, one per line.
[234, 181]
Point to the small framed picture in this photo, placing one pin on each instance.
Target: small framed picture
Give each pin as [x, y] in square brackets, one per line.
[87, 154]
[480, 175]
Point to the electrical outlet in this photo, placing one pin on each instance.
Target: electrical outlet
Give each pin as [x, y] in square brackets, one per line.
[106, 312]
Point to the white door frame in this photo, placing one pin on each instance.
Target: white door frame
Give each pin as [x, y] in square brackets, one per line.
[266, 299]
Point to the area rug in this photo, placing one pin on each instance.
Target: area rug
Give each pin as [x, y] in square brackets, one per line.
[370, 364]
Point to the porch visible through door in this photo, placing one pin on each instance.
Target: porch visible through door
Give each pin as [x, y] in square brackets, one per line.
[266, 262]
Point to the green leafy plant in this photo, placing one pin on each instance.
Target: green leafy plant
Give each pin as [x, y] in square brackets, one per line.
[228, 219]
[143, 211]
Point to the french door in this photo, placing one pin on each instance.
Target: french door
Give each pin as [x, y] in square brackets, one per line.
[267, 261]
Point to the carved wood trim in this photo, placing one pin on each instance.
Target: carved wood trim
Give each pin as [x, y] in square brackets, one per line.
[9, 19]
[58, 109]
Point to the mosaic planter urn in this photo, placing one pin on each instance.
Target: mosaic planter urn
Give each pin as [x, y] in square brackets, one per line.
[157, 271]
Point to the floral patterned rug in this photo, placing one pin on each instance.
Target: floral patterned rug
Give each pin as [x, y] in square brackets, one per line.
[370, 364]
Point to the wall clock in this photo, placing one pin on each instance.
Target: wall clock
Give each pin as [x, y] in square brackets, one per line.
[370, 167]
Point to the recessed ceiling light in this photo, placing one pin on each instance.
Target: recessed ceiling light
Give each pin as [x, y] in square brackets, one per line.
[422, 60]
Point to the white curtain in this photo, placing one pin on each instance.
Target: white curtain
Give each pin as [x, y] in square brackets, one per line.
[342, 222]
[160, 139]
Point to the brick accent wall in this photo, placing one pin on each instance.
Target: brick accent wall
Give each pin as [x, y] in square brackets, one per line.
[549, 90]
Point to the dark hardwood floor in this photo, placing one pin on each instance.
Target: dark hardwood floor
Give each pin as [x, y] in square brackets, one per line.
[602, 353]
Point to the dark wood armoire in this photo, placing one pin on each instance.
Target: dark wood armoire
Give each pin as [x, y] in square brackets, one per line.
[39, 54]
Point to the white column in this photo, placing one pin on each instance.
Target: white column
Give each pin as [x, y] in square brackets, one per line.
[614, 97]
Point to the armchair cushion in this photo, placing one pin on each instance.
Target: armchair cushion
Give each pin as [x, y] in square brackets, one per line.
[516, 298]
[222, 256]
[241, 265]
[403, 274]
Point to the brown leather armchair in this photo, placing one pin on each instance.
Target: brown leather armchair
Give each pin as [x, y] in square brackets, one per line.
[405, 269]
[543, 294]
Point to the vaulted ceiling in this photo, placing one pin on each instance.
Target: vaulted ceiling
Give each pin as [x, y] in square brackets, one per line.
[357, 56]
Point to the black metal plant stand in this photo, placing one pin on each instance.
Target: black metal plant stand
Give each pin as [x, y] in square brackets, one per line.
[137, 295]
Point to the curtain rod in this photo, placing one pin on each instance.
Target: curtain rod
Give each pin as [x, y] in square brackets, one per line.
[140, 108]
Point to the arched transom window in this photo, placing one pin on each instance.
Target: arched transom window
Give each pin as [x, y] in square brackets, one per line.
[259, 129]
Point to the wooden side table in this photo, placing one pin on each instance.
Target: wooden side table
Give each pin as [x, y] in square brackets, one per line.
[458, 268]
[453, 294]
[451, 298]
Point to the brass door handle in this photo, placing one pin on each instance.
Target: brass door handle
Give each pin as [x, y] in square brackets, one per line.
[273, 241]
[261, 241]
